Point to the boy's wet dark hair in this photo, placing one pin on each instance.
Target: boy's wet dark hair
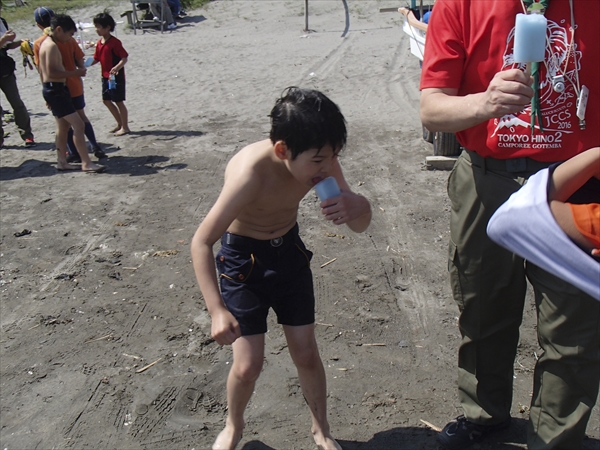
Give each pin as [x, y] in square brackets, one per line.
[63, 21]
[104, 19]
[306, 119]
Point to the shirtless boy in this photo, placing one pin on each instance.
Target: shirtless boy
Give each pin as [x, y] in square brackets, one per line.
[72, 57]
[262, 262]
[56, 94]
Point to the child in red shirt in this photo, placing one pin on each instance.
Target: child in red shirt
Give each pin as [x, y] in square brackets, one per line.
[112, 57]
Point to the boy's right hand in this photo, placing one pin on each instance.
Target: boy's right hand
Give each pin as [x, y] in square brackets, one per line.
[81, 71]
[224, 329]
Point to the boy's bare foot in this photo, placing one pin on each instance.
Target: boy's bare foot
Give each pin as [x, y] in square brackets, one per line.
[326, 442]
[92, 168]
[123, 132]
[61, 166]
[227, 439]
[115, 129]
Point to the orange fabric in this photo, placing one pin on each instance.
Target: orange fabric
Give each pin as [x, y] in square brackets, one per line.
[587, 221]
[36, 48]
[71, 52]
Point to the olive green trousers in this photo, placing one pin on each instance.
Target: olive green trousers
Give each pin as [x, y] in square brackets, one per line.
[489, 285]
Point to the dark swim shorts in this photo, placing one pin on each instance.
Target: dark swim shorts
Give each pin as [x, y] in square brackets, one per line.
[114, 95]
[78, 102]
[58, 98]
[256, 275]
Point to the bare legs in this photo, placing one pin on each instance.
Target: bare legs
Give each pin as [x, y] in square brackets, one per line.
[62, 128]
[89, 134]
[121, 114]
[248, 354]
[124, 119]
[115, 113]
[305, 354]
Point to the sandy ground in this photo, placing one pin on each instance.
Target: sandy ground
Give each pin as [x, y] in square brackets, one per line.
[105, 339]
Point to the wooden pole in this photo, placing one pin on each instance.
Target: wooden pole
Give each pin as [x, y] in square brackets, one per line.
[305, 15]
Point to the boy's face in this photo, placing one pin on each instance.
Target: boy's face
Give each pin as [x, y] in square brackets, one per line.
[102, 31]
[63, 36]
[313, 165]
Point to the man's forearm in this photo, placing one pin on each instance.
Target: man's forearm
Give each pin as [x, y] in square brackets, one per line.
[14, 44]
[446, 113]
[443, 110]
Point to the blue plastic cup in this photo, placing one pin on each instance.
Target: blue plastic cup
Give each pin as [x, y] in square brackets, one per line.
[88, 62]
[327, 188]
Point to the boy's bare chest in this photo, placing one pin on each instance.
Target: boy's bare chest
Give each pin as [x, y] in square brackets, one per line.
[271, 214]
[273, 199]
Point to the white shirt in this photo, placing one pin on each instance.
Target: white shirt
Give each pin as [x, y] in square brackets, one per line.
[525, 225]
[2, 31]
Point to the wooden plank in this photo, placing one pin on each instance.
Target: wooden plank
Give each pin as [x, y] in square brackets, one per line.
[440, 162]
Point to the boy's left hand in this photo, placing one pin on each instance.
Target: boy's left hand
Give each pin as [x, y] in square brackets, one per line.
[344, 208]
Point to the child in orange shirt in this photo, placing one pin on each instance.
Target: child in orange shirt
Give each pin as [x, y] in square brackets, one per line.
[72, 57]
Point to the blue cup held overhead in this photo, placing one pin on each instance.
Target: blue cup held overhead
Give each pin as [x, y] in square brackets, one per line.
[327, 188]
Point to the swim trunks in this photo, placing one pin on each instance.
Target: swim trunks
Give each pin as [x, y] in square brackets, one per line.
[256, 275]
[58, 98]
[78, 102]
[114, 95]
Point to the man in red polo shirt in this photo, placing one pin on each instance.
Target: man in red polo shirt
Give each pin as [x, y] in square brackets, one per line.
[472, 86]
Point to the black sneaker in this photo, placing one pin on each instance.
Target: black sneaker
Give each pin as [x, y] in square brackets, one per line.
[73, 158]
[99, 153]
[461, 433]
